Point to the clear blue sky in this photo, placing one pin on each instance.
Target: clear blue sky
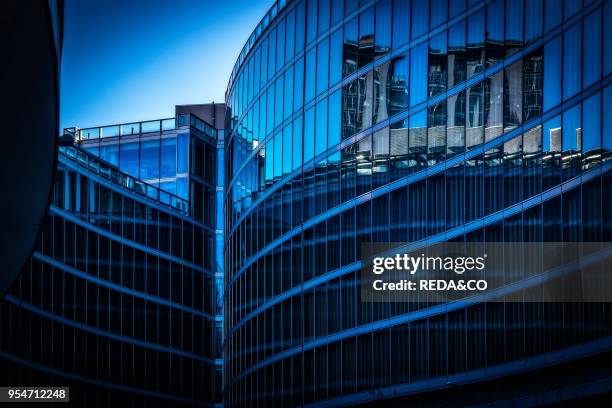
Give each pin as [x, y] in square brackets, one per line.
[134, 60]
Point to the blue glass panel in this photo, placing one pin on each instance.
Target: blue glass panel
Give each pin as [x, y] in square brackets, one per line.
[382, 36]
[552, 73]
[298, 83]
[337, 11]
[270, 115]
[551, 137]
[475, 44]
[168, 157]
[474, 115]
[269, 163]
[350, 6]
[420, 18]
[182, 153]
[250, 75]
[170, 187]
[572, 129]
[128, 158]
[591, 132]
[533, 84]
[351, 41]
[322, 65]
[321, 127]
[110, 153]
[287, 144]
[607, 46]
[494, 105]
[607, 122]
[181, 187]
[300, 26]
[381, 93]
[262, 116]
[401, 22]
[297, 142]
[256, 134]
[278, 154]
[418, 74]
[514, 26]
[249, 129]
[271, 54]
[438, 13]
[456, 54]
[592, 49]
[280, 45]
[278, 108]
[309, 134]
[417, 140]
[311, 72]
[572, 61]
[257, 70]
[264, 62]
[290, 36]
[366, 34]
[288, 109]
[323, 16]
[572, 7]
[455, 7]
[335, 57]
[455, 125]
[437, 64]
[398, 83]
[533, 20]
[335, 109]
[553, 14]
[311, 20]
[495, 32]
[513, 96]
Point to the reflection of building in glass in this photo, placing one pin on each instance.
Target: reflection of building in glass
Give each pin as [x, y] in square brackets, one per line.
[479, 123]
[533, 75]
[121, 299]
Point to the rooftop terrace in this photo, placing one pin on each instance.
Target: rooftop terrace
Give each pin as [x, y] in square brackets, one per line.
[135, 128]
[113, 175]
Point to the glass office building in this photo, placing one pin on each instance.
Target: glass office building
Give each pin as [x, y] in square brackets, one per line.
[403, 121]
[158, 152]
[120, 298]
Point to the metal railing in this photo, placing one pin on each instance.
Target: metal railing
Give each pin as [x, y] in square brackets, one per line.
[111, 173]
[138, 128]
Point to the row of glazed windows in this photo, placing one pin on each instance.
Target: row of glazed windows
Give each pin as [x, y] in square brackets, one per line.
[539, 159]
[202, 203]
[188, 172]
[152, 159]
[405, 215]
[158, 157]
[480, 336]
[387, 25]
[520, 92]
[125, 266]
[78, 352]
[374, 97]
[74, 298]
[131, 219]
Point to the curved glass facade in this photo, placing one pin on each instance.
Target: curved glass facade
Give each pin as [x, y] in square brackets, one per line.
[118, 300]
[400, 121]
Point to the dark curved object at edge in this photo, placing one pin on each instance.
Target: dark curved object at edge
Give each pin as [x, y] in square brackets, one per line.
[31, 35]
